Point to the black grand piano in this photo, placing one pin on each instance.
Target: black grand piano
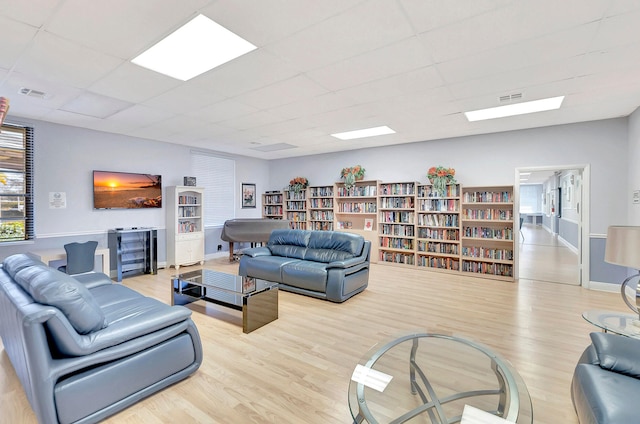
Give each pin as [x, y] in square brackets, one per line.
[250, 230]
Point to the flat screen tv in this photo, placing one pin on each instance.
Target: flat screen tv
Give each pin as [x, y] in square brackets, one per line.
[126, 190]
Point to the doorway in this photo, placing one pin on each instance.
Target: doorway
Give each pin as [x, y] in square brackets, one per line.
[552, 205]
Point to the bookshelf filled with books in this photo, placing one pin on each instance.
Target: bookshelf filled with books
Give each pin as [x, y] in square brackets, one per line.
[295, 207]
[468, 230]
[396, 223]
[488, 232]
[438, 228]
[272, 205]
[320, 205]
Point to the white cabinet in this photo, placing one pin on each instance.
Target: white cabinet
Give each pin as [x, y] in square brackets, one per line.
[185, 227]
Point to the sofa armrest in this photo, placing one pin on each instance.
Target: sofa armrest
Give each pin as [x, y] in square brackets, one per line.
[348, 263]
[617, 353]
[257, 251]
[146, 320]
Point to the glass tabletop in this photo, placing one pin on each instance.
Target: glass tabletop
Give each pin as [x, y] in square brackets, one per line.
[614, 322]
[430, 378]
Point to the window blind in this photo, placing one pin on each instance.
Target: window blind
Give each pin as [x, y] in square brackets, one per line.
[217, 176]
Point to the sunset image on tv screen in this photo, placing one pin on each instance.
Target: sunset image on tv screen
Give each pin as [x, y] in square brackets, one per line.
[122, 190]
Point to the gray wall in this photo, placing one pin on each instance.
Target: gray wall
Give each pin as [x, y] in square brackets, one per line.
[65, 157]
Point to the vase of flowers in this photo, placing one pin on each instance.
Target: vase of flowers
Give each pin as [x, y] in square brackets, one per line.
[351, 175]
[440, 176]
[298, 183]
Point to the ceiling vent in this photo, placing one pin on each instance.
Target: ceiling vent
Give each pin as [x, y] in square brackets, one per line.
[510, 97]
[32, 93]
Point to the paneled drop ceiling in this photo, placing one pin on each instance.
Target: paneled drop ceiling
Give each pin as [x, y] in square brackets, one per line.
[321, 67]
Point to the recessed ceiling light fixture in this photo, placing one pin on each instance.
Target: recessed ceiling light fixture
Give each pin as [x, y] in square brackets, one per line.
[515, 109]
[367, 132]
[195, 48]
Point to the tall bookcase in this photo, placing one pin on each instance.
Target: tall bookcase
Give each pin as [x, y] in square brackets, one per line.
[466, 231]
[438, 228]
[295, 207]
[396, 223]
[272, 205]
[488, 232]
[320, 207]
[185, 227]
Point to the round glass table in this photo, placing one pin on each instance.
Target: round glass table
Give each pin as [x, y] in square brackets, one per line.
[429, 378]
[614, 322]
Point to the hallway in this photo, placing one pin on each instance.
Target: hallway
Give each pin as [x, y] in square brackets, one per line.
[544, 258]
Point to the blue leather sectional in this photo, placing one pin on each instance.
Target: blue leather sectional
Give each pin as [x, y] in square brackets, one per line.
[84, 350]
[329, 265]
[606, 381]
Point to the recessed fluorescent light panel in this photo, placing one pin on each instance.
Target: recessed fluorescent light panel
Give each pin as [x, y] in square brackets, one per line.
[367, 132]
[193, 49]
[515, 109]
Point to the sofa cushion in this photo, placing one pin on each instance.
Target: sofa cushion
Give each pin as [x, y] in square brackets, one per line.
[617, 354]
[267, 267]
[52, 287]
[14, 263]
[306, 275]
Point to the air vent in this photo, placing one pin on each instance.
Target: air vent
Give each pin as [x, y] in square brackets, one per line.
[32, 93]
[510, 97]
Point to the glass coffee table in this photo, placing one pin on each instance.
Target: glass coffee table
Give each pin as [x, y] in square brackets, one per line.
[429, 378]
[614, 322]
[257, 299]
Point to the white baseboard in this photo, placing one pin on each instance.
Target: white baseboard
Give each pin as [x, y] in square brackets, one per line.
[606, 287]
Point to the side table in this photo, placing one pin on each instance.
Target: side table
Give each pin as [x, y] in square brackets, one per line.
[614, 322]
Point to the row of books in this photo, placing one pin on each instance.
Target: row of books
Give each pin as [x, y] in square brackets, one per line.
[297, 216]
[298, 225]
[272, 210]
[321, 192]
[321, 215]
[321, 203]
[488, 197]
[451, 190]
[296, 206]
[362, 191]
[439, 262]
[434, 247]
[505, 270]
[439, 220]
[488, 233]
[398, 188]
[185, 199]
[188, 211]
[442, 205]
[396, 243]
[187, 227]
[396, 202]
[358, 207]
[321, 226]
[439, 234]
[495, 214]
[272, 199]
[399, 217]
[397, 257]
[487, 253]
[397, 230]
[295, 195]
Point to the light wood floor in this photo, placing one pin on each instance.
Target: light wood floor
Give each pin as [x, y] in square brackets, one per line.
[297, 369]
[543, 257]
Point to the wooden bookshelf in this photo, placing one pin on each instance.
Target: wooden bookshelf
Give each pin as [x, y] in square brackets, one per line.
[488, 232]
[295, 208]
[320, 208]
[438, 228]
[272, 205]
[396, 223]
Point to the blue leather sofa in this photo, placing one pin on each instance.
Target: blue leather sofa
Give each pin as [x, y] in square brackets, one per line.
[328, 265]
[606, 382]
[86, 350]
